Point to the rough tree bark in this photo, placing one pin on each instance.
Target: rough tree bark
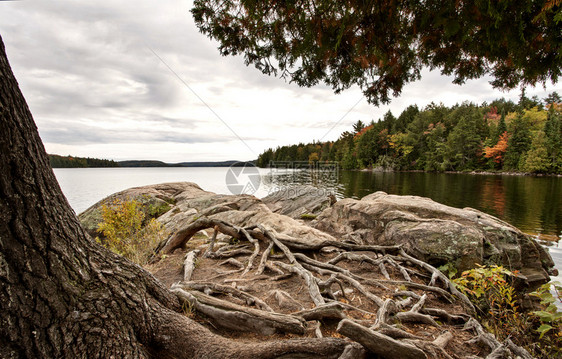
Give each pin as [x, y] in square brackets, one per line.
[63, 295]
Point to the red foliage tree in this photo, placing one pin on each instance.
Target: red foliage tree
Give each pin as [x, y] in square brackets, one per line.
[498, 150]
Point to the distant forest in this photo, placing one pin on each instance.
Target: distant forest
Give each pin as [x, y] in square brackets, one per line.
[499, 136]
[79, 162]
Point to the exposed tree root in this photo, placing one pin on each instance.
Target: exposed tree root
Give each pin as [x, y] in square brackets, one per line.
[189, 265]
[498, 350]
[378, 343]
[335, 287]
[235, 317]
[332, 310]
[209, 287]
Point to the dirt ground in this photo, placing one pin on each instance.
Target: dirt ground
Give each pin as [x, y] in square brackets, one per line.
[169, 269]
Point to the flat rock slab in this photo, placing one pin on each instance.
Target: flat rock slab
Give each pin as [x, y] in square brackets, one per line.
[300, 202]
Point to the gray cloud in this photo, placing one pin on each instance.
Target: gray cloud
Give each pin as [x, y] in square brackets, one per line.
[87, 134]
[89, 76]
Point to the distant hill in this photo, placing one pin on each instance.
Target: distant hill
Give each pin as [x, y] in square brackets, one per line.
[79, 162]
[142, 163]
[145, 163]
[210, 164]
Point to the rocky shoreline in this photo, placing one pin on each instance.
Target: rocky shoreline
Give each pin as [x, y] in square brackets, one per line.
[310, 266]
[487, 173]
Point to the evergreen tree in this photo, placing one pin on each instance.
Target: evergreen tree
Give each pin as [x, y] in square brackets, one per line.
[518, 143]
[358, 126]
[439, 138]
[504, 106]
[536, 160]
[383, 45]
[388, 121]
[553, 141]
[524, 101]
[465, 143]
[502, 127]
[405, 118]
[436, 148]
[552, 98]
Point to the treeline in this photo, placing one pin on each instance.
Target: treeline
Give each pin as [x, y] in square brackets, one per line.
[501, 136]
[79, 162]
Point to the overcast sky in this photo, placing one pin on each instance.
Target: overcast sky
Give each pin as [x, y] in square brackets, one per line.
[96, 79]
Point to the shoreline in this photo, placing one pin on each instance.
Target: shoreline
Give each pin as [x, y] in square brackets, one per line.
[488, 173]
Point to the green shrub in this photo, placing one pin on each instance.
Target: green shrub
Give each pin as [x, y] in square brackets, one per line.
[495, 298]
[549, 318]
[156, 210]
[540, 332]
[125, 232]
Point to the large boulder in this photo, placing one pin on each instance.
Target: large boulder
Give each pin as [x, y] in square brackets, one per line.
[437, 234]
[188, 202]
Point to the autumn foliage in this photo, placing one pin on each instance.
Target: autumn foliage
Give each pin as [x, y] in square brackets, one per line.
[498, 151]
[362, 132]
[500, 136]
[126, 230]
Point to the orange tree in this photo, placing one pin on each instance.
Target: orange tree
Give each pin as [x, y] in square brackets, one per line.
[497, 152]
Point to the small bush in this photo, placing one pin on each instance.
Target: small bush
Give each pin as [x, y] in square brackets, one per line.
[489, 289]
[549, 319]
[125, 232]
[156, 210]
[540, 332]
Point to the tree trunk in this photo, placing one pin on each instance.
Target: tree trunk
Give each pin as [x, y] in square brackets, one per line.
[63, 295]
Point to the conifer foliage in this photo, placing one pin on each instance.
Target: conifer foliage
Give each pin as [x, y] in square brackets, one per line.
[502, 135]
